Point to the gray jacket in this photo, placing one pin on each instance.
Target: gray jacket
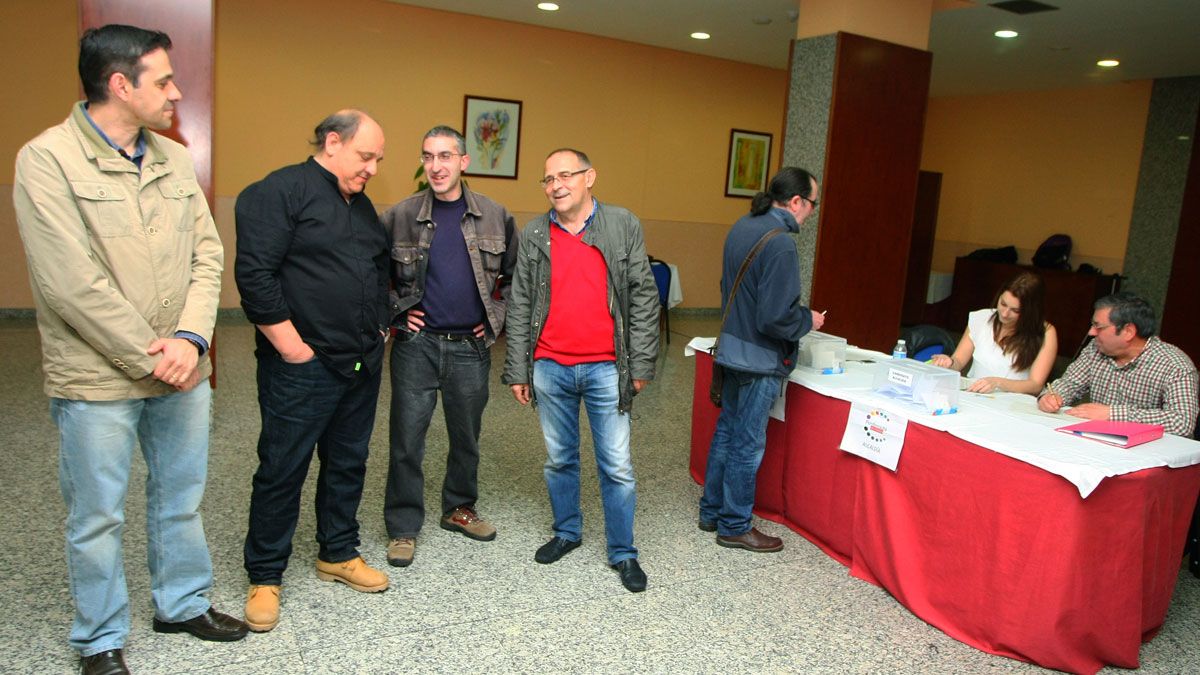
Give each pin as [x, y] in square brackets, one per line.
[632, 297]
[491, 234]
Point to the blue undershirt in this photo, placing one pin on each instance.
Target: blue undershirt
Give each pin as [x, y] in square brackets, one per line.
[451, 301]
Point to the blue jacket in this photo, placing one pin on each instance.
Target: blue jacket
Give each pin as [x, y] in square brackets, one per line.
[767, 320]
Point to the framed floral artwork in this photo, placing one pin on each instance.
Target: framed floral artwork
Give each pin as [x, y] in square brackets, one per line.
[749, 154]
[492, 127]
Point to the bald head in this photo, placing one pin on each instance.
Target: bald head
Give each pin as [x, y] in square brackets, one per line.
[350, 146]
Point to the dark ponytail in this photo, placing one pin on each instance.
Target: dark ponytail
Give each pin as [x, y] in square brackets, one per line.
[789, 182]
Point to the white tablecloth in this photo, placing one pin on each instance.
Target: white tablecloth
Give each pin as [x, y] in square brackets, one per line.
[1007, 423]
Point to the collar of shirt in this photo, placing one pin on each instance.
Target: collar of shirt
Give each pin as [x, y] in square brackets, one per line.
[139, 150]
[333, 181]
[586, 223]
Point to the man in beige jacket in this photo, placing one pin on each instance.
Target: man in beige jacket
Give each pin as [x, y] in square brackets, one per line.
[125, 265]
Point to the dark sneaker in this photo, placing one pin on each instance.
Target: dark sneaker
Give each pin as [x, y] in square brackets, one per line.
[554, 549]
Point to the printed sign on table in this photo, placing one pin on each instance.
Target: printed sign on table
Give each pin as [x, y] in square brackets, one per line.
[874, 434]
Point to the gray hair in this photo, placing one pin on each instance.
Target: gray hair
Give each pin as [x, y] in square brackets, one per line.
[344, 123]
[583, 159]
[1127, 308]
[447, 132]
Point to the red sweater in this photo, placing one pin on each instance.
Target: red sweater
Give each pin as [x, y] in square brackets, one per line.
[579, 327]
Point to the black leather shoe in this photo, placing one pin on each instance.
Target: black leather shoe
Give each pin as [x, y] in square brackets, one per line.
[211, 625]
[706, 525]
[632, 576]
[111, 662]
[554, 549]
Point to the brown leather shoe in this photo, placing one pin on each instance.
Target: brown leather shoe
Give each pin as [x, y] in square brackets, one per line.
[262, 607]
[464, 519]
[400, 551]
[111, 662]
[752, 541]
[211, 625]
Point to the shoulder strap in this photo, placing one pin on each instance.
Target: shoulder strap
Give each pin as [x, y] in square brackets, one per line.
[737, 281]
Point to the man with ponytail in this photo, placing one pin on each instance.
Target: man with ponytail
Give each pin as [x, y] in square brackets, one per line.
[758, 344]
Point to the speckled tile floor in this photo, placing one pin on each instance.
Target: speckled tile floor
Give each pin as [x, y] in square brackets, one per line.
[466, 606]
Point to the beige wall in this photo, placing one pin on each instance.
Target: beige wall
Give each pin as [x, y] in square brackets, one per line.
[1019, 167]
[655, 122]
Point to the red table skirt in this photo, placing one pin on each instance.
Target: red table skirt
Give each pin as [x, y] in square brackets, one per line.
[998, 554]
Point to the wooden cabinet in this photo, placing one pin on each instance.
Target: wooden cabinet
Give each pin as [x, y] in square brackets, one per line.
[1069, 296]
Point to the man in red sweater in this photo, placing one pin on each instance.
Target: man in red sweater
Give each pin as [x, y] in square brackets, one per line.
[583, 327]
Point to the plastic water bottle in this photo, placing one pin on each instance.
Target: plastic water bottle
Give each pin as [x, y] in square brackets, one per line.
[899, 351]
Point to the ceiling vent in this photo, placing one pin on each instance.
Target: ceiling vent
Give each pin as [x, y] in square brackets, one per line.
[1024, 6]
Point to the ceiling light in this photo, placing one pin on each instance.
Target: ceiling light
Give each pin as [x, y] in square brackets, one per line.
[1006, 34]
[701, 35]
[1108, 63]
[547, 6]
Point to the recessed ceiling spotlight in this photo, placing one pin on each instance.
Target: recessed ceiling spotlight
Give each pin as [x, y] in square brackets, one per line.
[1006, 34]
[700, 35]
[547, 6]
[1108, 63]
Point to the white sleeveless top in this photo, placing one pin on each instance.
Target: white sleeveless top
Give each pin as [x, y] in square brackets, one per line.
[989, 360]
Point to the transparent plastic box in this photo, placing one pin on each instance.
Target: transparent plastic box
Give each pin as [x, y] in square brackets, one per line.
[822, 353]
[933, 388]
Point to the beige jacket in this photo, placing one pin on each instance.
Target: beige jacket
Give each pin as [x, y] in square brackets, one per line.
[117, 258]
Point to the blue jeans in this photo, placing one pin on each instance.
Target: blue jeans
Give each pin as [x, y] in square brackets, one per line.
[96, 441]
[307, 405]
[737, 450]
[558, 390]
[423, 363]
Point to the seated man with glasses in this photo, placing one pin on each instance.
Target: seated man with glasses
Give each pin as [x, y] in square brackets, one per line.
[583, 327]
[1127, 372]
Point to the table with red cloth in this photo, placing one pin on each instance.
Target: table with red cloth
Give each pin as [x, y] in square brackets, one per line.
[995, 552]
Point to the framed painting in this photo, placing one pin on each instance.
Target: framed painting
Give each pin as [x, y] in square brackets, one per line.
[492, 127]
[749, 154]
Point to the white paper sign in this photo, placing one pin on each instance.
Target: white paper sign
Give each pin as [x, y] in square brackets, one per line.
[874, 434]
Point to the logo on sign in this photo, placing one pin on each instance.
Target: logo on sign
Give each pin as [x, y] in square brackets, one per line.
[876, 426]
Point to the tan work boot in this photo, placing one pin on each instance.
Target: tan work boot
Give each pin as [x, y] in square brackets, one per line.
[262, 607]
[355, 573]
[465, 520]
[400, 551]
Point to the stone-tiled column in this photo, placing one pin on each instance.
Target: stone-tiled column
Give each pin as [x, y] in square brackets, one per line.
[1166, 154]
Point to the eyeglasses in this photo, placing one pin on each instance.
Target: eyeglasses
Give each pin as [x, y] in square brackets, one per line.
[1101, 326]
[561, 176]
[428, 157]
[810, 201]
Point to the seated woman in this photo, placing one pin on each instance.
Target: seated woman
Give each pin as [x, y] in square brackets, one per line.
[1010, 347]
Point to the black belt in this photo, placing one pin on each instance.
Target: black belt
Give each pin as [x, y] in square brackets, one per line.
[451, 337]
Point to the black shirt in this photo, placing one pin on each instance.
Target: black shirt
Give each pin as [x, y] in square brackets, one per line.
[304, 253]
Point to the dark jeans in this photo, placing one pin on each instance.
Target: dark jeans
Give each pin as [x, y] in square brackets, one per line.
[302, 406]
[737, 450]
[422, 364]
